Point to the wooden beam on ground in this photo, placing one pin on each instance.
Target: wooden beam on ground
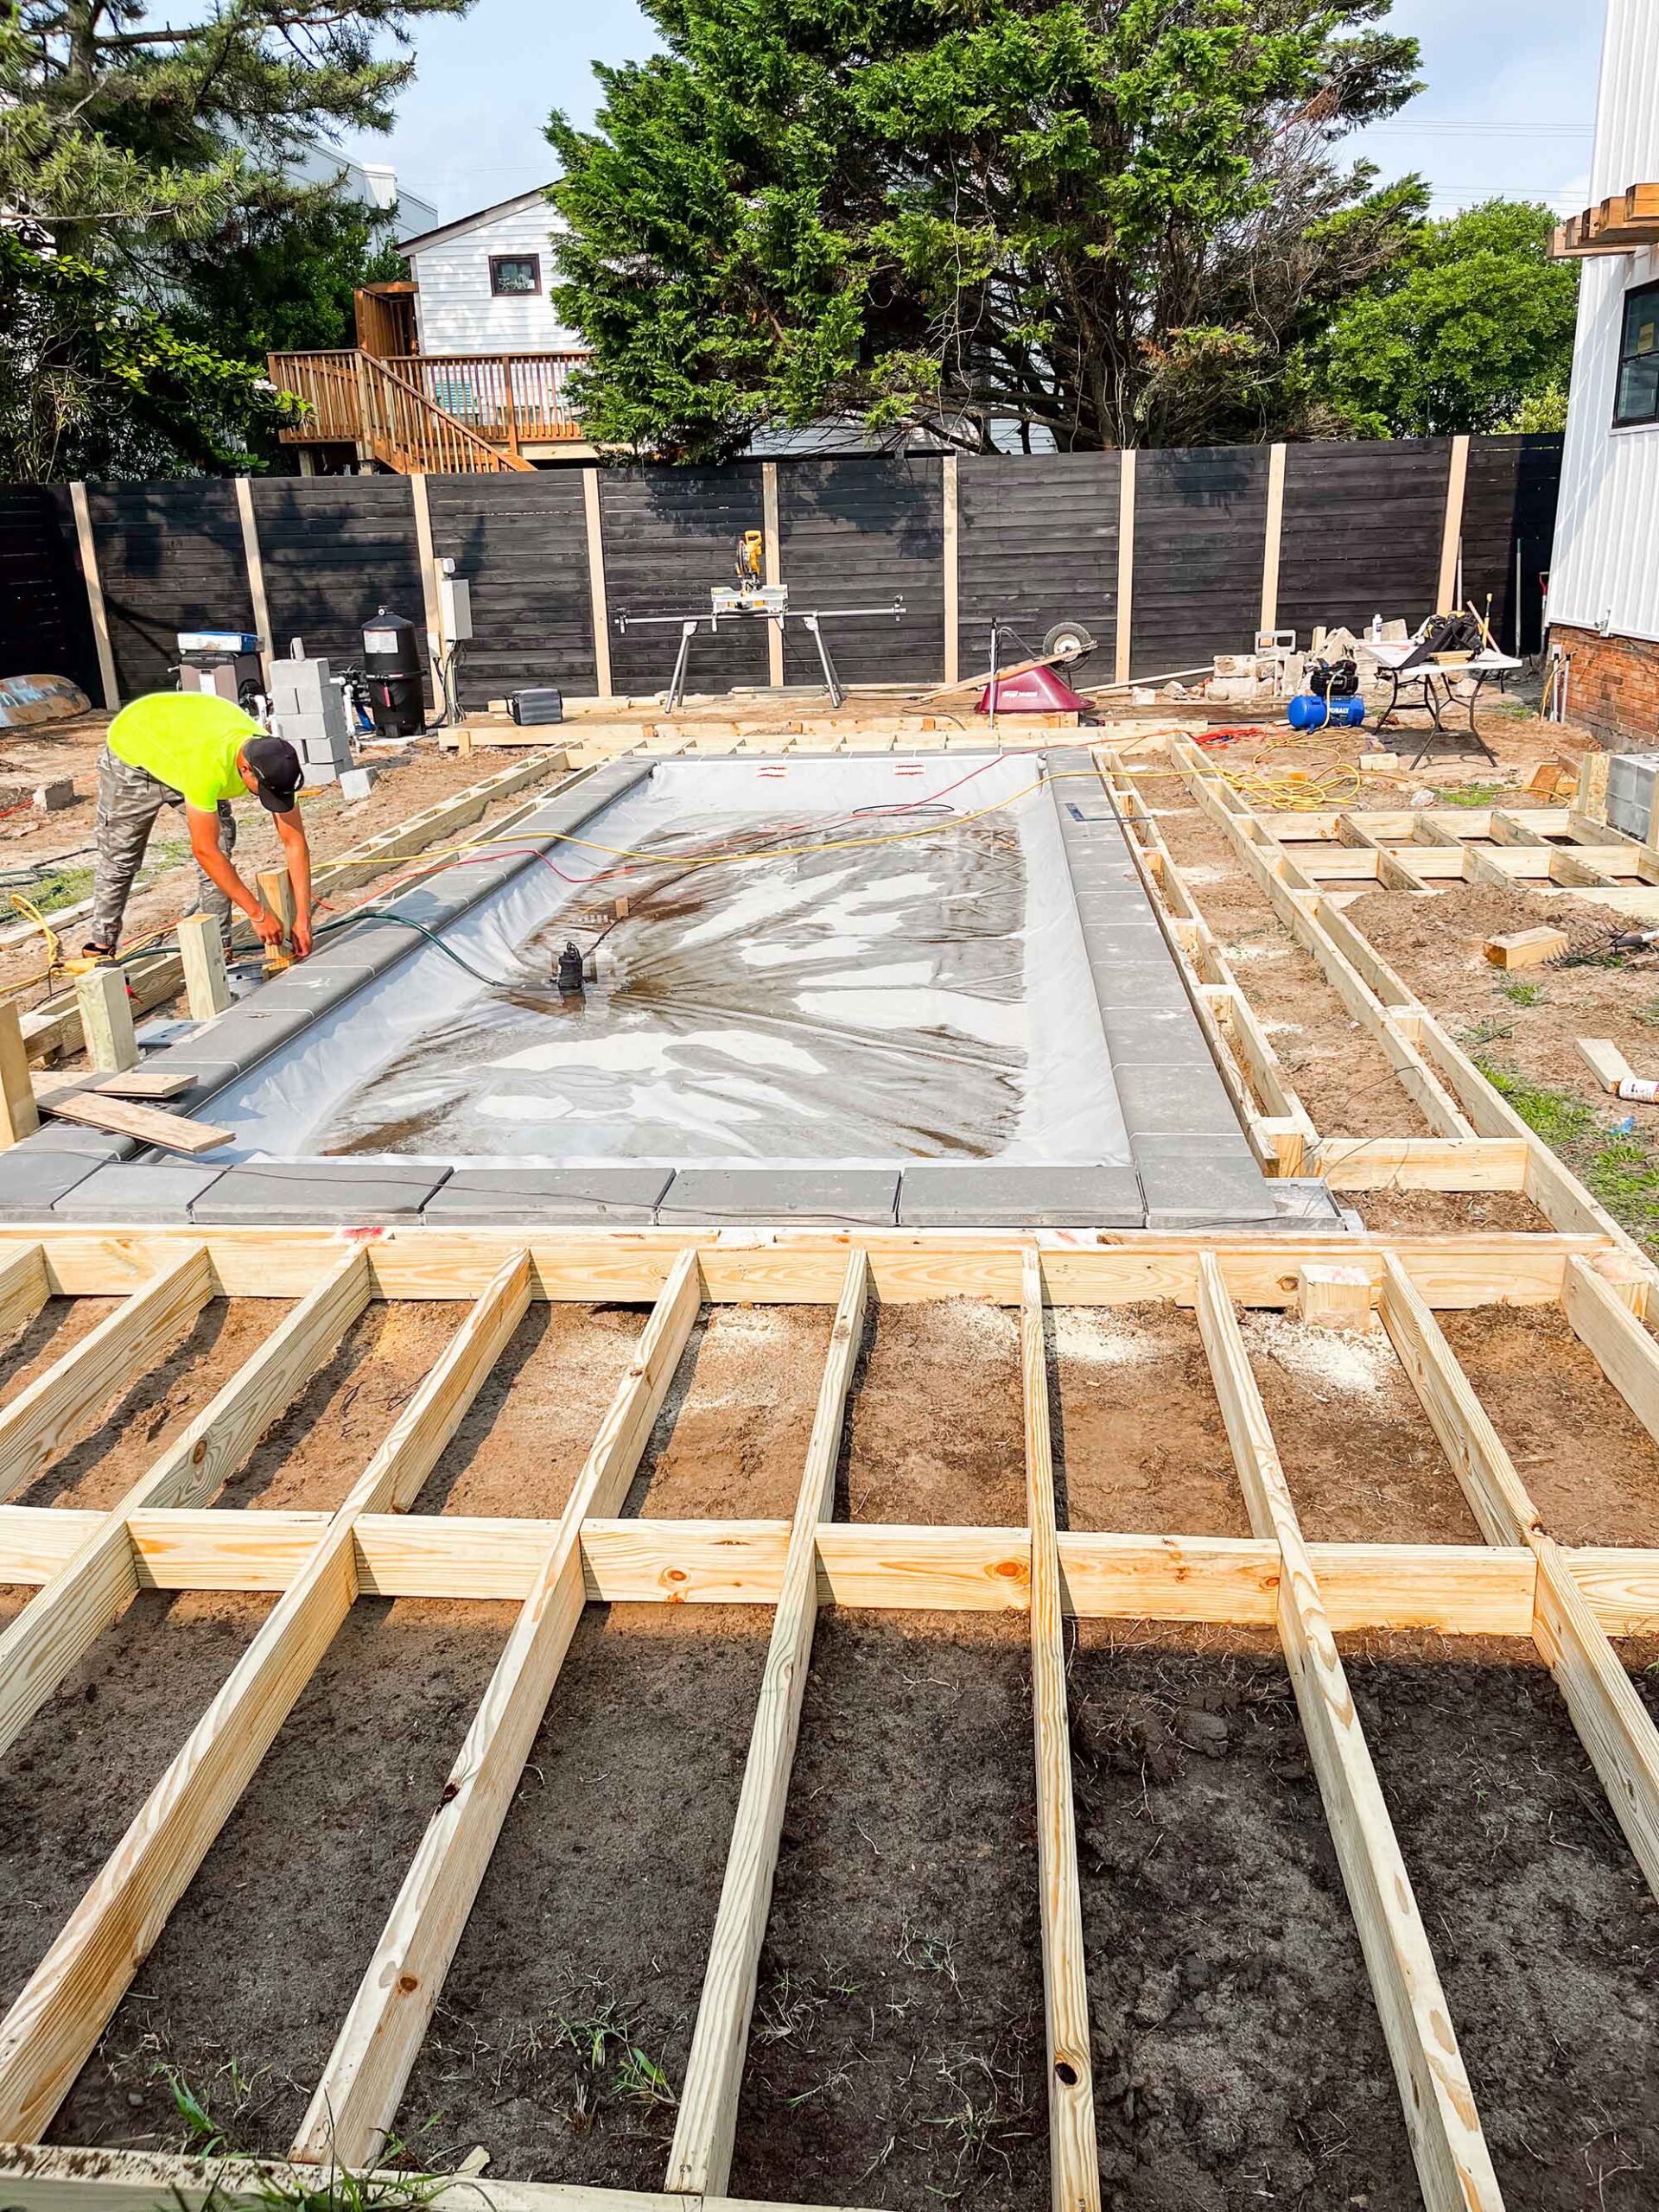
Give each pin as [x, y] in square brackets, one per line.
[54, 2024]
[1454, 2168]
[96, 1109]
[1074, 2156]
[19, 1116]
[1622, 1348]
[700, 2158]
[56, 1631]
[1423, 1163]
[23, 1287]
[357, 2099]
[39, 1422]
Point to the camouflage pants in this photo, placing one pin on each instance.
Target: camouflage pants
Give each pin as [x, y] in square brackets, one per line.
[129, 800]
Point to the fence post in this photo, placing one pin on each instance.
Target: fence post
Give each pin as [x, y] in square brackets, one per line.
[428, 562]
[772, 535]
[597, 583]
[1452, 531]
[952, 574]
[1270, 620]
[94, 595]
[1125, 561]
[256, 568]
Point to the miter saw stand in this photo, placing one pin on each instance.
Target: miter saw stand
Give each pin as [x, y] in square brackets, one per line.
[748, 599]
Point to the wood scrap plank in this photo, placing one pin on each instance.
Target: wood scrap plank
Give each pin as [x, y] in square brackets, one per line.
[1526, 948]
[357, 2099]
[53, 2024]
[700, 2156]
[23, 1286]
[149, 1124]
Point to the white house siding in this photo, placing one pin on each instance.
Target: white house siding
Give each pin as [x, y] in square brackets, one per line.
[456, 311]
[1605, 568]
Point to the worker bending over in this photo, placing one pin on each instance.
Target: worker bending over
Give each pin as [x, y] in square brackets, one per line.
[190, 749]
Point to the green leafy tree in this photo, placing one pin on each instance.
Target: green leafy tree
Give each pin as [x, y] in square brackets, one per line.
[1471, 329]
[93, 385]
[1122, 220]
[277, 279]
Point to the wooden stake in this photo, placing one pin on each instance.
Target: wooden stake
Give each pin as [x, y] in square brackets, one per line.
[276, 889]
[202, 948]
[19, 1116]
[1334, 1298]
[700, 2158]
[106, 1020]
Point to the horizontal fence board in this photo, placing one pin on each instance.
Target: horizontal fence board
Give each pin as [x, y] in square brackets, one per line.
[670, 534]
[335, 549]
[170, 558]
[521, 541]
[45, 627]
[1038, 545]
[1200, 530]
[1361, 533]
[854, 533]
[1509, 502]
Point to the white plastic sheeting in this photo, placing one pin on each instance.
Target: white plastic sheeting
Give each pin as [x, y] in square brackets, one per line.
[828, 999]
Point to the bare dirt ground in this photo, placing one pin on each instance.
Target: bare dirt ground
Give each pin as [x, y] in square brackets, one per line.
[241, 1998]
[1139, 1443]
[1546, 1935]
[563, 2033]
[897, 2055]
[730, 1441]
[1239, 2060]
[936, 1431]
[1363, 1463]
[1588, 1463]
[85, 1764]
[58, 1327]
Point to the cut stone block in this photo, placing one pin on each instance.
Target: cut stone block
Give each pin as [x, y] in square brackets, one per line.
[1192, 1191]
[504, 1197]
[48, 798]
[828, 1196]
[357, 783]
[138, 1190]
[33, 1180]
[980, 1193]
[330, 1191]
[75, 1136]
[1166, 1100]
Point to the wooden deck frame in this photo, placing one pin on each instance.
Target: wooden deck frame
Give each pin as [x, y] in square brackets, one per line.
[1520, 1580]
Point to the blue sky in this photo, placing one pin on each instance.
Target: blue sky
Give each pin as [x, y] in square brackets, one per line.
[1511, 98]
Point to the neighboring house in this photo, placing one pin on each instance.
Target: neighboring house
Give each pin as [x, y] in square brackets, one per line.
[372, 184]
[483, 283]
[1604, 584]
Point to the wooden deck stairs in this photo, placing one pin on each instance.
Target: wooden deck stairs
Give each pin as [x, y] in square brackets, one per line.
[358, 399]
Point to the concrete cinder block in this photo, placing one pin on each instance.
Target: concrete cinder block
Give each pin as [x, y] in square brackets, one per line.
[337, 1192]
[504, 1197]
[33, 1180]
[49, 797]
[829, 1196]
[980, 1193]
[357, 783]
[141, 1189]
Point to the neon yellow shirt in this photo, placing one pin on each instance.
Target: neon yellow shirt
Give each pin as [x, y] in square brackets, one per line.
[189, 741]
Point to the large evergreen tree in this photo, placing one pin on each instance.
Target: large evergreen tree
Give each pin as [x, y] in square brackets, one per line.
[1121, 221]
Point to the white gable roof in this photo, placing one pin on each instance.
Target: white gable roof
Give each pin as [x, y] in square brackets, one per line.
[518, 205]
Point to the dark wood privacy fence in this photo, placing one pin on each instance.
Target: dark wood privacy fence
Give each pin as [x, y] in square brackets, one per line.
[1169, 556]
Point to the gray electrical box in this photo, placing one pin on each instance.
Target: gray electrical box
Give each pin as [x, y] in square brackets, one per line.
[455, 609]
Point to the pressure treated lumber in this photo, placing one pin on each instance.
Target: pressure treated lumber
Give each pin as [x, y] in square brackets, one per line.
[57, 1630]
[19, 1116]
[23, 1286]
[201, 954]
[106, 1019]
[38, 1423]
[1454, 2166]
[1622, 1348]
[127, 1118]
[1074, 2158]
[51, 2028]
[362, 2086]
[700, 2158]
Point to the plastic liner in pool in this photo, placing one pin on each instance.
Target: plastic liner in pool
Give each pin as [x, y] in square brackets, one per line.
[847, 990]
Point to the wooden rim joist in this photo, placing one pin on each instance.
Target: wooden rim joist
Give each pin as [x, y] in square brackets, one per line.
[84, 1566]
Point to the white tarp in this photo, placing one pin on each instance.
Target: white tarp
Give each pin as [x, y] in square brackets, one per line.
[831, 998]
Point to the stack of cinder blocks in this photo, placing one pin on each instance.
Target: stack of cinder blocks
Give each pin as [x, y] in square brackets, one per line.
[309, 711]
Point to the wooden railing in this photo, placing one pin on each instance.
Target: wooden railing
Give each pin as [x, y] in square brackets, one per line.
[512, 399]
[438, 411]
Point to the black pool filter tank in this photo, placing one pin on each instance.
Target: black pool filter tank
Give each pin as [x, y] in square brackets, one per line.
[391, 673]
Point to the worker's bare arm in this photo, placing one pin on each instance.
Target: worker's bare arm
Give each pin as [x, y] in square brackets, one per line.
[291, 831]
[204, 844]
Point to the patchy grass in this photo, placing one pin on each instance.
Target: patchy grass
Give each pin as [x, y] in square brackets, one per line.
[1522, 994]
[1472, 795]
[615, 2063]
[1648, 1015]
[1619, 1166]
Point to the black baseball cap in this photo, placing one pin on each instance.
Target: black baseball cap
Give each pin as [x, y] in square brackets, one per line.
[276, 769]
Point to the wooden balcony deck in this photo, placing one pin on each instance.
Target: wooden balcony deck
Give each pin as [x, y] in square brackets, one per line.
[445, 411]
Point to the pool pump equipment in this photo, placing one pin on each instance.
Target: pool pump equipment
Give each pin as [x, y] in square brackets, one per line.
[747, 598]
[568, 974]
[392, 671]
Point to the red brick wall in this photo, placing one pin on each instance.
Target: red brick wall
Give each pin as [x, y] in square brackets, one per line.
[1613, 688]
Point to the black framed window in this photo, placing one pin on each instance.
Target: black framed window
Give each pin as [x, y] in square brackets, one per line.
[513, 274]
[1638, 398]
